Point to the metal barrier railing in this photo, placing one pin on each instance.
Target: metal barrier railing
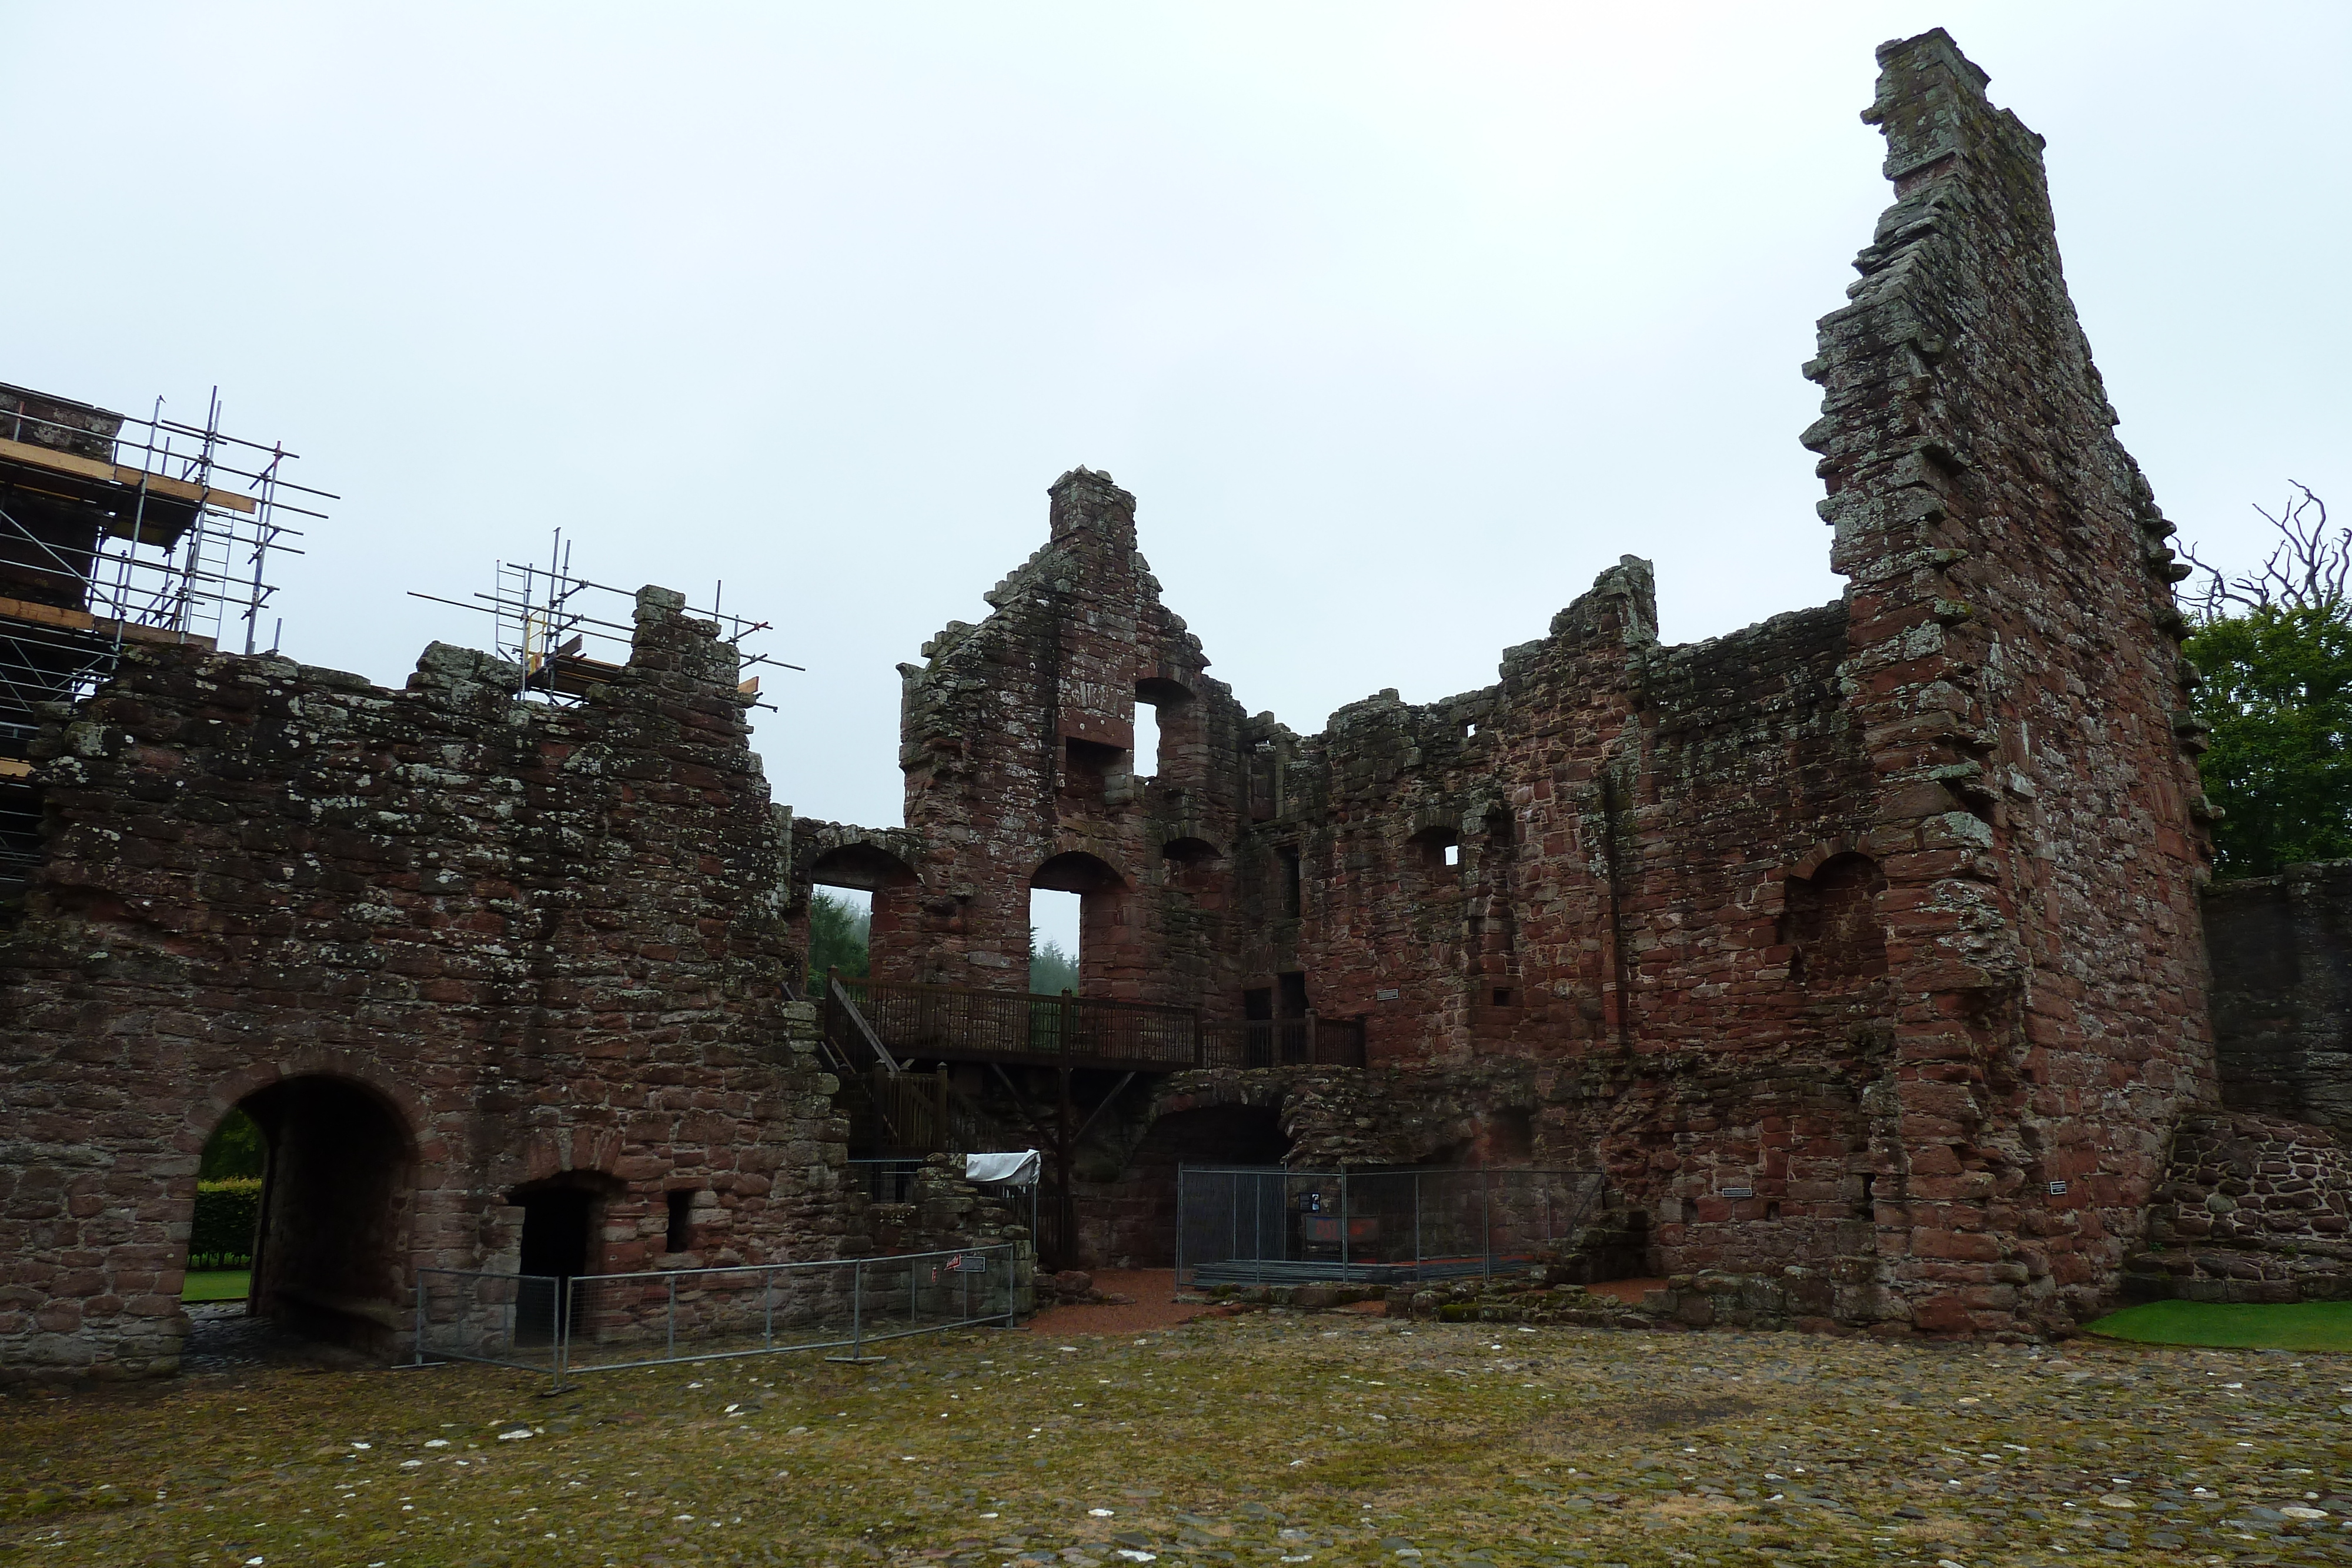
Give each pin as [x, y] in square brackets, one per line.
[604, 1322]
[1271, 1224]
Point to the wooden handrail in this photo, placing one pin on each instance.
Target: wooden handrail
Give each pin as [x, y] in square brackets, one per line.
[881, 1051]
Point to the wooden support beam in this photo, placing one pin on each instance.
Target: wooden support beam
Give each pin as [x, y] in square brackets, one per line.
[55, 461]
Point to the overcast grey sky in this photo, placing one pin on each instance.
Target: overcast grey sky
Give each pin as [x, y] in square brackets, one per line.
[1402, 321]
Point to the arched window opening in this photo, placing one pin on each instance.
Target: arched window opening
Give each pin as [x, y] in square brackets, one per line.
[861, 894]
[1509, 1136]
[862, 866]
[1831, 925]
[1075, 904]
[1090, 769]
[1191, 863]
[1436, 851]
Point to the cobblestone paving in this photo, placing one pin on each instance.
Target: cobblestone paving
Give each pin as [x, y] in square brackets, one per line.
[1268, 1438]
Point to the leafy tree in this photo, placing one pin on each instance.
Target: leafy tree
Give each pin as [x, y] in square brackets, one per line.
[235, 1149]
[1051, 970]
[838, 930]
[2275, 649]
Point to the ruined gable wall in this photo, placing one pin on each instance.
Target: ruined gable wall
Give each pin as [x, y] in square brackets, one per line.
[541, 939]
[2014, 668]
[1017, 740]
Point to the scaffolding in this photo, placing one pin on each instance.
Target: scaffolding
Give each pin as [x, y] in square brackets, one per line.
[566, 636]
[117, 530]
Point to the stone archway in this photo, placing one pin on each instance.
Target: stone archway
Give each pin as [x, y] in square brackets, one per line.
[331, 1254]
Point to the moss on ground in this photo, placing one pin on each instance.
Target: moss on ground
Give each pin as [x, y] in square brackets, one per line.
[2301, 1325]
[1271, 1437]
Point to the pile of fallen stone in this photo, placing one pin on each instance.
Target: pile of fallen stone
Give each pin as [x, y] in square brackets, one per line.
[1075, 1287]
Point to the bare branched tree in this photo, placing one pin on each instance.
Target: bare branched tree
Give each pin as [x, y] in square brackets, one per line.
[2308, 570]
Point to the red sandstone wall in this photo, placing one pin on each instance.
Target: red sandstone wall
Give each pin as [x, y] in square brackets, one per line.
[529, 942]
[1017, 739]
[1835, 942]
[2013, 664]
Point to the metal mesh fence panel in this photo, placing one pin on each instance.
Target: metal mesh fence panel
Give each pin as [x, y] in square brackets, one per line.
[598, 1323]
[506, 1319]
[1241, 1224]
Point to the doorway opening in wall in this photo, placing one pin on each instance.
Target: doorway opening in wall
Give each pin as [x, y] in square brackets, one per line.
[1054, 933]
[326, 1221]
[228, 1212]
[561, 1218]
[854, 887]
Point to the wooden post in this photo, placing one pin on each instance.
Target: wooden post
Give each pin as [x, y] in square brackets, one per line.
[1066, 1221]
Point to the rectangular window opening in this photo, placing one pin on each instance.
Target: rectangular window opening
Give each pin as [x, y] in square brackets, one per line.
[1454, 854]
[681, 1220]
[1290, 890]
[1147, 739]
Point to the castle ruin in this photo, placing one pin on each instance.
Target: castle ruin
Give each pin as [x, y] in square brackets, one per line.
[1861, 951]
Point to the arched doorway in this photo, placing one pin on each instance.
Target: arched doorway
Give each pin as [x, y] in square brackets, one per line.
[860, 898]
[330, 1255]
[1103, 947]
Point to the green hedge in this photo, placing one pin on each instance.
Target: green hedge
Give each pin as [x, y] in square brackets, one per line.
[228, 1212]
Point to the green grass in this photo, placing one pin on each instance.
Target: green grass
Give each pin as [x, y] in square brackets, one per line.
[2227, 1325]
[217, 1285]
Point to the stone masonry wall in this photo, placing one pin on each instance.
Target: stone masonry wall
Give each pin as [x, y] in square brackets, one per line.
[451, 948]
[2253, 1208]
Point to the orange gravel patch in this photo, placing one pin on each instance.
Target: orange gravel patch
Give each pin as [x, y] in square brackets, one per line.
[1626, 1291]
[1154, 1306]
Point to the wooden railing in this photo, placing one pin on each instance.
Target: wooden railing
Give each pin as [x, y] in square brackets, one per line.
[953, 1023]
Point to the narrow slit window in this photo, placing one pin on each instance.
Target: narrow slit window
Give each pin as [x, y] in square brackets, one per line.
[681, 1220]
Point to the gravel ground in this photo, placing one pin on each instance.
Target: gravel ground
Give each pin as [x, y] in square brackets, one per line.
[1152, 1304]
[1264, 1439]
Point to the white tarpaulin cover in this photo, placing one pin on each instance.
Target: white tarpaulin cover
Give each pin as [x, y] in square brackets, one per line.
[1014, 1170]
